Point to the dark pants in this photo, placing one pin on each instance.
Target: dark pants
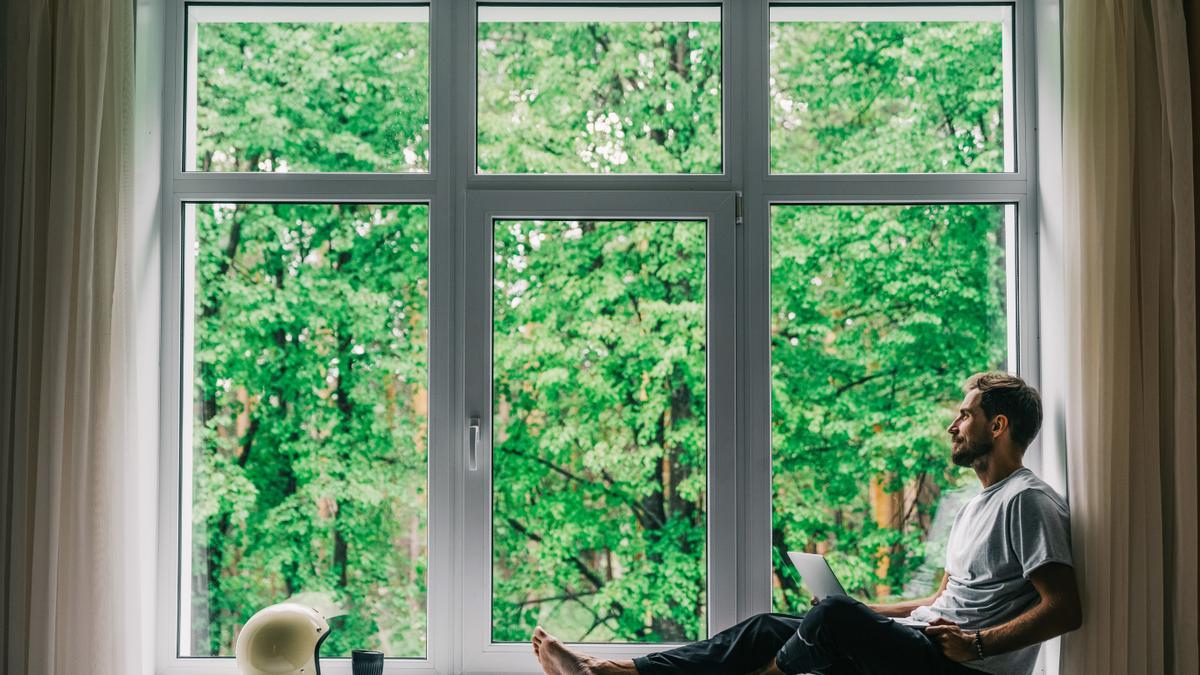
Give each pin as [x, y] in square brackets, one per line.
[839, 636]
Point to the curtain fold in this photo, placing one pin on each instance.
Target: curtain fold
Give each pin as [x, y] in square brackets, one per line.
[1131, 295]
[75, 483]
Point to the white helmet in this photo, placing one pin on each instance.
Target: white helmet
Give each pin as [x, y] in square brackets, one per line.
[283, 639]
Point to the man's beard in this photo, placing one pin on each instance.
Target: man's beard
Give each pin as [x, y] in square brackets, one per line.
[969, 451]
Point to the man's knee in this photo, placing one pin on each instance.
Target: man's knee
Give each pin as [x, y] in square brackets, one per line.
[822, 637]
[832, 616]
[841, 605]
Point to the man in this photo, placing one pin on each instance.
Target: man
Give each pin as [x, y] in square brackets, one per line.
[1009, 582]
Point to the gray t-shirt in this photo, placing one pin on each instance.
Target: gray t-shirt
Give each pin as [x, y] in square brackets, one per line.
[999, 538]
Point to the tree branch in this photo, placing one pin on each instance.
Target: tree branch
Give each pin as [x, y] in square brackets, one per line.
[580, 565]
[863, 380]
[565, 597]
[608, 489]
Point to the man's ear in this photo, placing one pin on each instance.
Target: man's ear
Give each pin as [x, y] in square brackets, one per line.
[999, 424]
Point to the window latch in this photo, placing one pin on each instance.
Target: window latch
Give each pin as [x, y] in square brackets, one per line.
[473, 444]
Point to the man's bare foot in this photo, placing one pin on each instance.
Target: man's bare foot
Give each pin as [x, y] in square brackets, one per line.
[556, 659]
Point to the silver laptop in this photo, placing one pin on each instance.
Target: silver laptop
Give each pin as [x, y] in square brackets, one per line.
[818, 577]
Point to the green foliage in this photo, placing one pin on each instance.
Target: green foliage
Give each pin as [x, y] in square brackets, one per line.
[886, 97]
[310, 436]
[600, 430]
[309, 452]
[599, 98]
[312, 97]
[879, 313]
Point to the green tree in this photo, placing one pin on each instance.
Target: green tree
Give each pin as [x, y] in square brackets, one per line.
[310, 338]
[886, 97]
[599, 98]
[312, 97]
[600, 430]
[878, 314]
[311, 430]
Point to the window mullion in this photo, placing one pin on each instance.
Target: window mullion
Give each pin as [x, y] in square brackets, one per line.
[754, 396]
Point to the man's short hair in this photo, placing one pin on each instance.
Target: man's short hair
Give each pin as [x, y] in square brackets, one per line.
[1002, 393]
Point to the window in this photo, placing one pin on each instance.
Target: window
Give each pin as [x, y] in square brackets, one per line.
[854, 89]
[601, 323]
[576, 89]
[307, 88]
[878, 313]
[599, 371]
[310, 402]
[490, 315]
[308, 381]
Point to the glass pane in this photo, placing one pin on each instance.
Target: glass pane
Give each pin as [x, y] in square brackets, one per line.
[308, 89]
[310, 421]
[599, 90]
[878, 315]
[891, 89]
[599, 430]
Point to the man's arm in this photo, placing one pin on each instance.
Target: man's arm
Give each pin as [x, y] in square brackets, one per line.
[901, 609]
[1056, 613]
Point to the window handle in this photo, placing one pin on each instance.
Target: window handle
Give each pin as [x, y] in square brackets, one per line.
[473, 444]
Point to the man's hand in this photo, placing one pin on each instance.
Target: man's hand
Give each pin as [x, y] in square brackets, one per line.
[906, 607]
[956, 644]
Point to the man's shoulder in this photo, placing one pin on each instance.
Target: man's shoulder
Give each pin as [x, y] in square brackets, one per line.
[1027, 489]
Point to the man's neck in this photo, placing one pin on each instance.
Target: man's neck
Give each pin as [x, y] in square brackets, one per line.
[993, 468]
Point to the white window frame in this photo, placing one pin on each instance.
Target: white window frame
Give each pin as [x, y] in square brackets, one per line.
[461, 204]
[179, 188]
[717, 210]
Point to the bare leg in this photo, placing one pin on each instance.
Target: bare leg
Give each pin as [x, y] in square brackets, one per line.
[556, 659]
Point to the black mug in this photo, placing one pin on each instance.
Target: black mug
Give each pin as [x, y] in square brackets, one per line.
[366, 662]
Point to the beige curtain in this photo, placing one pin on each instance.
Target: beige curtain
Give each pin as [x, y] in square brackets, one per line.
[76, 562]
[1192, 11]
[1130, 268]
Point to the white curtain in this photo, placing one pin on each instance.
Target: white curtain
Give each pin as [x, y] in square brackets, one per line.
[1130, 270]
[77, 491]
